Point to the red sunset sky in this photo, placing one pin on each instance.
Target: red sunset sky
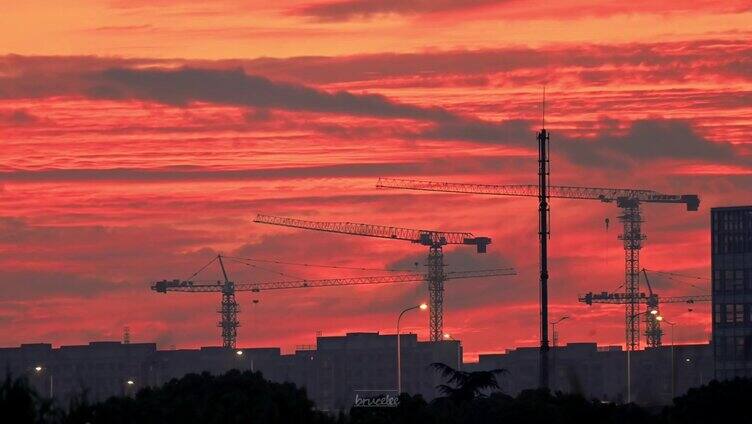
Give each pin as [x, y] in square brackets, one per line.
[140, 138]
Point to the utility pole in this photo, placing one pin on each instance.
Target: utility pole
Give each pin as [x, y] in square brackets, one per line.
[544, 212]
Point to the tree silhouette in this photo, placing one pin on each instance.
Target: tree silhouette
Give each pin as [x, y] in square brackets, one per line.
[466, 385]
[718, 401]
[233, 397]
[20, 403]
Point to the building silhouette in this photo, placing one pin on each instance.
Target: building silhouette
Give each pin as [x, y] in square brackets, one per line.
[731, 240]
[599, 372]
[339, 367]
[332, 372]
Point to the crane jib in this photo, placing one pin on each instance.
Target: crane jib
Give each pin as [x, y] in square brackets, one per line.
[606, 195]
[165, 286]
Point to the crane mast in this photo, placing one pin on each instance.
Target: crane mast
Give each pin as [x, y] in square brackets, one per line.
[435, 240]
[228, 310]
[632, 237]
[653, 331]
[629, 200]
[229, 307]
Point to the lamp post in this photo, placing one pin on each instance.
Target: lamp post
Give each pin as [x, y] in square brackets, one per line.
[673, 363]
[422, 307]
[654, 314]
[41, 370]
[555, 339]
[129, 386]
[239, 353]
[448, 336]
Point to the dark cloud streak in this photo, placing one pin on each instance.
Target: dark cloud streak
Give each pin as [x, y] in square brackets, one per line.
[193, 173]
[17, 117]
[644, 140]
[235, 87]
[348, 9]
[344, 10]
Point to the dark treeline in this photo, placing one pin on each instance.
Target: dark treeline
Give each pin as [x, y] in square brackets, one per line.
[246, 397]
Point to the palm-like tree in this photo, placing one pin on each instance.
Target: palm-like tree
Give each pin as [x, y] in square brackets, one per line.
[466, 385]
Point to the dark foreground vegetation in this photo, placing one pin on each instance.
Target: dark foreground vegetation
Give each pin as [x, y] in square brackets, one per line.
[246, 397]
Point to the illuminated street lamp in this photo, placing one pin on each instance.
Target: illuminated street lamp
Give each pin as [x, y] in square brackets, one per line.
[239, 353]
[129, 387]
[448, 336]
[653, 312]
[673, 363]
[40, 370]
[422, 307]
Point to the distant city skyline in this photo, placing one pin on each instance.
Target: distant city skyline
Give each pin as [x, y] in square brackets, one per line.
[141, 138]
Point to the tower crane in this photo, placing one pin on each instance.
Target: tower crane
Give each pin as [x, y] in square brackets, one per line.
[653, 331]
[435, 240]
[229, 307]
[629, 200]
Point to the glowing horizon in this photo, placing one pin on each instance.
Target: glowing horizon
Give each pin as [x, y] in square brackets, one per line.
[140, 139]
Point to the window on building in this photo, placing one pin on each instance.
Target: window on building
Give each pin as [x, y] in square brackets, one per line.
[719, 313]
[729, 347]
[738, 281]
[717, 280]
[728, 277]
[739, 347]
[720, 346]
[729, 313]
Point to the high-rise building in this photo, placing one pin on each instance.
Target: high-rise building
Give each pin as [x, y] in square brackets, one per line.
[731, 235]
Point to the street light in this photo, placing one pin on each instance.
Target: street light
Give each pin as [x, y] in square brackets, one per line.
[673, 363]
[654, 314]
[128, 387]
[553, 324]
[422, 307]
[239, 353]
[555, 338]
[39, 370]
[448, 336]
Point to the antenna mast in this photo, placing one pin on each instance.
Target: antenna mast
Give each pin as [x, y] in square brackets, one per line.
[544, 233]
